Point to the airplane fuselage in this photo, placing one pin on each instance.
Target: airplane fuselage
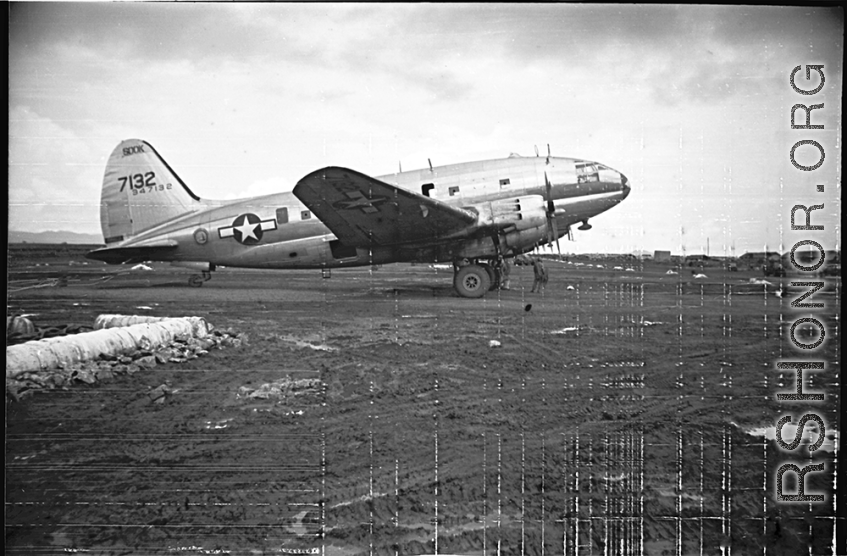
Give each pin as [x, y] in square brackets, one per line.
[278, 231]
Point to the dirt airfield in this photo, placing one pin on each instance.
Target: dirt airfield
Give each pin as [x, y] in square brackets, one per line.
[375, 412]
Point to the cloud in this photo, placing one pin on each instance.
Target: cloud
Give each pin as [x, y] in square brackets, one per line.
[53, 177]
[682, 54]
[132, 32]
[240, 98]
[741, 54]
[710, 81]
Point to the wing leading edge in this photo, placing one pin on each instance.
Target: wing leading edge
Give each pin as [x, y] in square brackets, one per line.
[363, 212]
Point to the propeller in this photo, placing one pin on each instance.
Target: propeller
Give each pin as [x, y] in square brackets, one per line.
[552, 228]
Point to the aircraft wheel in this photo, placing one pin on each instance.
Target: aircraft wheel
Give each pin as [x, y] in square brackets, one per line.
[471, 281]
[195, 280]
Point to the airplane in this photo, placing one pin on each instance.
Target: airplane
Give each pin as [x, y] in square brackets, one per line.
[468, 214]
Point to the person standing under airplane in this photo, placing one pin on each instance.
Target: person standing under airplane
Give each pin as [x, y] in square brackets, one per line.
[504, 269]
[540, 274]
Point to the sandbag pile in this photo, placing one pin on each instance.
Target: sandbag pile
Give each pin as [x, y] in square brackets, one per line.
[199, 327]
[111, 350]
[20, 329]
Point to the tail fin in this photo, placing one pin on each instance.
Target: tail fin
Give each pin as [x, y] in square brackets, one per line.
[140, 191]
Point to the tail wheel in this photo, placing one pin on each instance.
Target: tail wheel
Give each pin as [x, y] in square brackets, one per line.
[471, 281]
[196, 280]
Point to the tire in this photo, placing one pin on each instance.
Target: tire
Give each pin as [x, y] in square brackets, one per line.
[471, 281]
[195, 280]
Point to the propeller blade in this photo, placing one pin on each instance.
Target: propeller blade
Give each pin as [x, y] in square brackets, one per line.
[551, 209]
[549, 188]
[570, 234]
[550, 224]
[552, 228]
[556, 235]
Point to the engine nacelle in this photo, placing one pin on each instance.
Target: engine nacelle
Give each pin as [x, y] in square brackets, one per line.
[511, 241]
[524, 240]
[523, 213]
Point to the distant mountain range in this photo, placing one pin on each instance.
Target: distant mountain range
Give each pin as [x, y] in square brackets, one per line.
[54, 237]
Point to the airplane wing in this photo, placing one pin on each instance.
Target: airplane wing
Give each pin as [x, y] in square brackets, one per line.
[362, 211]
[133, 254]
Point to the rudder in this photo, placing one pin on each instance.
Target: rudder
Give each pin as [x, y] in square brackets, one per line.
[140, 191]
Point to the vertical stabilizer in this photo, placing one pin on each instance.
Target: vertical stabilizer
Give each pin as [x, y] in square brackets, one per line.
[140, 191]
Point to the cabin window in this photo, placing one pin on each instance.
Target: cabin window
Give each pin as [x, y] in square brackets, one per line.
[504, 182]
[426, 188]
[305, 215]
[282, 216]
[453, 190]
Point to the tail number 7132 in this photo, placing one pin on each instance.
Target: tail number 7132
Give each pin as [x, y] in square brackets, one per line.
[142, 183]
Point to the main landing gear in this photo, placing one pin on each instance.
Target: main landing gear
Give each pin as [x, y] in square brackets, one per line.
[196, 280]
[475, 279]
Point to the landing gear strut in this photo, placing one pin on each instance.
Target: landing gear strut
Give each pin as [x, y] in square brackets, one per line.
[493, 275]
[196, 280]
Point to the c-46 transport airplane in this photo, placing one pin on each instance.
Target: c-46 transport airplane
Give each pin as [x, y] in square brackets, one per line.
[467, 214]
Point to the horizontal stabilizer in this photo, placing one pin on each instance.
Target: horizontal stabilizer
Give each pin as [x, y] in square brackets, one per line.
[135, 254]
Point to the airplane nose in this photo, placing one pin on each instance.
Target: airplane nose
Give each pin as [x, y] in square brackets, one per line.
[625, 186]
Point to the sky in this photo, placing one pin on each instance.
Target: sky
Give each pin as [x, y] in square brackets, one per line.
[692, 103]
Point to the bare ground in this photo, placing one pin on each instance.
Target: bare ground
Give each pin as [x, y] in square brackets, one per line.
[610, 419]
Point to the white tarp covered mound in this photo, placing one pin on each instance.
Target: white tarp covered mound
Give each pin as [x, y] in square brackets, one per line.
[63, 351]
[199, 325]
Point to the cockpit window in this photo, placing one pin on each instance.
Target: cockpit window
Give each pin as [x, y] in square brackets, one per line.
[587, 171]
